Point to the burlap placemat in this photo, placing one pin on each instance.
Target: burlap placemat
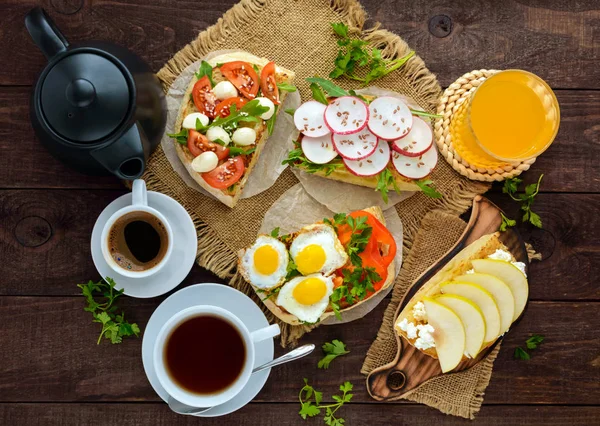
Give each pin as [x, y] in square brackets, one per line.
[459, 394]
[297, 35]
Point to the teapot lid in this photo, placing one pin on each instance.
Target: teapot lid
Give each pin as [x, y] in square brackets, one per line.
[85, 97]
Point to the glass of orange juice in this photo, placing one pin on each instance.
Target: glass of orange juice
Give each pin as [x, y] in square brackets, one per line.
[511, 117]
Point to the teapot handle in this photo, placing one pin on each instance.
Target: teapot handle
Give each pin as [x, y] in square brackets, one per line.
[126, 157]
[44, 33]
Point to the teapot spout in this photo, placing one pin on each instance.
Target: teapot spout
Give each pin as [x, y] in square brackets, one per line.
[44, 33]
[125, 157]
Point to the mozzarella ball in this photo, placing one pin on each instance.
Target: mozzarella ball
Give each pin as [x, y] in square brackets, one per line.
[205, 162]
[266, 103]
[189, 122]
[224, 90]
[217, 132]
[244, 136]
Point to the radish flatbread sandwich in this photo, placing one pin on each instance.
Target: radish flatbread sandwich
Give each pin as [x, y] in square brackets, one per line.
[467, 305]
[323, 269]
[228, 113]
[377, 142]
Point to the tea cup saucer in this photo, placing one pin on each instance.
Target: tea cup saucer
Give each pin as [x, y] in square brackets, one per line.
[224, 297]
[185, 245]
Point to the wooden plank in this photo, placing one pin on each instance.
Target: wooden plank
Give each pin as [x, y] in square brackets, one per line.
[568, 165]
[64, 364]
[48, 233]
[555, 41]
[552, 39]
[286, 414]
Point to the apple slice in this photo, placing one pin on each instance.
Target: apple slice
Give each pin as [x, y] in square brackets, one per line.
[449, 334]
[500, 291]
[511, 275]
[471, 317]
[481, 298]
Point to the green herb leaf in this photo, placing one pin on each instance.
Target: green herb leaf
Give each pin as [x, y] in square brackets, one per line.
[296, 158]
[428, 189]
[205, 70]
[286, 87]
[271, 122]
[340, 29]
[332, 350]
[534, 341]
[318, 94]
[234, 151]
[250, 112]
[180, 137]
[290, 111]
[385, 179]
[521, 354]
[506, 222]
[275, 232]
[425, 114]
[511, 186]
[328, 86]
[268, 293]
[100, 298]
[310, 403]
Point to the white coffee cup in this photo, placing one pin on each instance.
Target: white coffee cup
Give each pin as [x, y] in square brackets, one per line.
[250, 339]
[139, 204]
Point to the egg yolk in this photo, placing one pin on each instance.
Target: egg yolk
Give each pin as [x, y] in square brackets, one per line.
[310, 260]
[266, 260]
[310, 291]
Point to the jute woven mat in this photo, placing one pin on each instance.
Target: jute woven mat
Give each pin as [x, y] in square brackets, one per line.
[297, 35]
[458, 394]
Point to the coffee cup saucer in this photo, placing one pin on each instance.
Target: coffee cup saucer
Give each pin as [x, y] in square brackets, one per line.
[224, 297]
[185, 245]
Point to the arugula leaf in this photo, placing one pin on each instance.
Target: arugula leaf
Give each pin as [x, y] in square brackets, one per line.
[268, 293]
[424, 114]
[332, 350]
[296, 158]
[318, 94]
[100, 298]
[511, 186]
[290, 111]
[250, 112]
[275, 232]
[355, 56]
[205, 70]
[180, 137]
[234, 151]
[428, 189]
[286, 87]
[506, 222]
[384, 180]
[310, 403]
[521, 354]
[271, 121]
[328, 86]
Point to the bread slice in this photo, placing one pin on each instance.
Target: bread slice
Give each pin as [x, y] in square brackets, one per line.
[457, 266]
[227, 196]
[288, 318]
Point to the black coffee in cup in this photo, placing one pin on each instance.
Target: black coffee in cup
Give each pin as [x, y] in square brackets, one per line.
[138, 241]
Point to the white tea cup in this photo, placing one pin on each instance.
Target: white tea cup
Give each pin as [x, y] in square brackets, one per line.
[139, 204]
[249, 339]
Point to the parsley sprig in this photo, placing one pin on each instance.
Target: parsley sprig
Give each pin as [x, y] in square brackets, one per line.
[332, 350]
[384, 180]
[311, 399]
[532, 343]
[100, 298]
[511, 187]
[355, 55]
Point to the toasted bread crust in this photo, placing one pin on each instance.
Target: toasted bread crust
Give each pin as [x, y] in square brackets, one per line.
[187, 107]
[292, 319]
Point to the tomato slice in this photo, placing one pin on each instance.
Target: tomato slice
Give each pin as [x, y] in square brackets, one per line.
[226, 174]
[268, 85]
[198, 143]
[223, 108]
[371, 258]
[243, 77]
[204, 98]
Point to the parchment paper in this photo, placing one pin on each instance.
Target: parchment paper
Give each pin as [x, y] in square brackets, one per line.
[267, 169]
[296, 208]
[341, 196]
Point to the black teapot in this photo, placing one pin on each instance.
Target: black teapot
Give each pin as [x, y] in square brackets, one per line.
[96, 106]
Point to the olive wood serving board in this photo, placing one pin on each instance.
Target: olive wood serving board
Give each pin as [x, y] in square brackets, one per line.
[411, 367]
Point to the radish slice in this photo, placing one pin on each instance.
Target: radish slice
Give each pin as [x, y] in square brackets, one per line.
[318, 150]
[346, 115]
[390, 118]
[417, 141]
[415, 167]
[308, 118]
[373, 164]
[355, 146]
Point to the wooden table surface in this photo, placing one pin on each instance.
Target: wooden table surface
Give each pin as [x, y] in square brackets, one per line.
[52, 372]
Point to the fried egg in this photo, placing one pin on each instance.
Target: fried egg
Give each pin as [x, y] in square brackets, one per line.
[317, 248]
[306, 297]
[264, 264]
